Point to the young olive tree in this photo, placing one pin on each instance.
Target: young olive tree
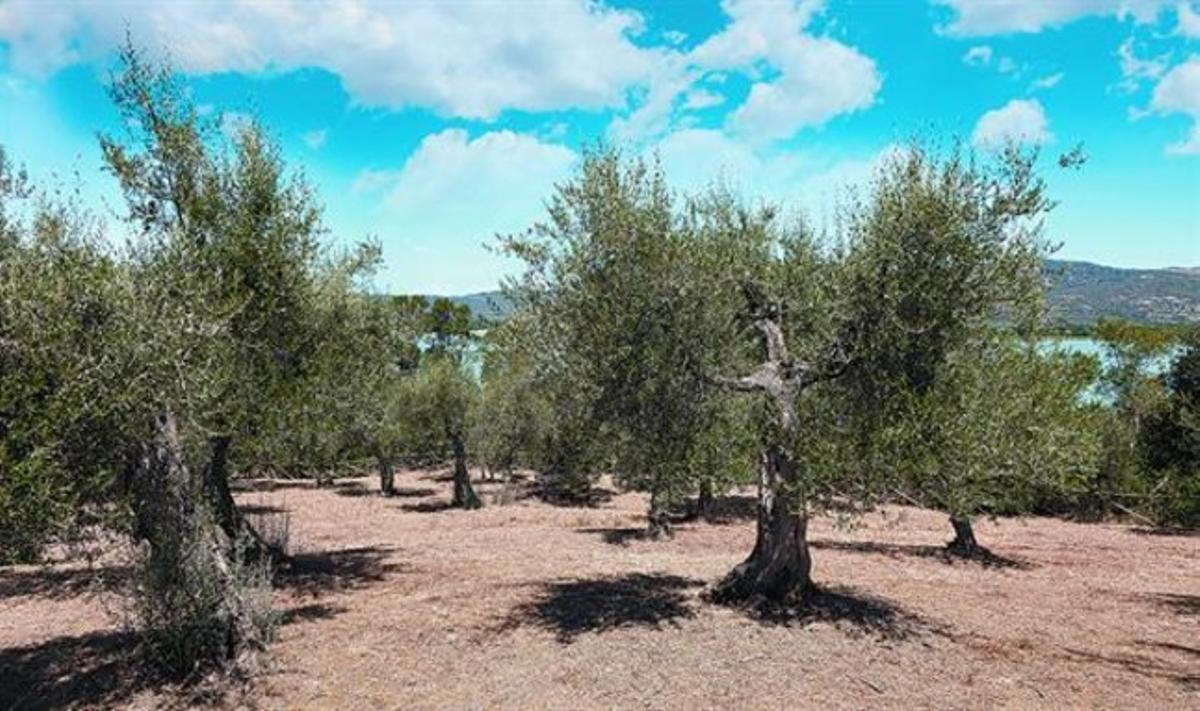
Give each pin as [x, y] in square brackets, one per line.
[513, 416]
[1012, 431]
[1169, 441]
[615, 304]
[436, 403]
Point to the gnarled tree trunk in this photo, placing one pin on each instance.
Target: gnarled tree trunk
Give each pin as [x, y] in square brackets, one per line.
[216, 486]
[464, 493]
[779, 567]
[188, 546]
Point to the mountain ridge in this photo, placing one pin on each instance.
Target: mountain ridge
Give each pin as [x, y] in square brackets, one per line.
[1080, 293]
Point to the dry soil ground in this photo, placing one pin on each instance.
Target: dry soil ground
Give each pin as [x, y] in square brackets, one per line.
[399, 603]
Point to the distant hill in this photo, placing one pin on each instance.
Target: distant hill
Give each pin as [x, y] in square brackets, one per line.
[1080, 293]
[486, 305]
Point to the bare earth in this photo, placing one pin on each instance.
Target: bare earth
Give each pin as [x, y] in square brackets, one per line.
[399, 603]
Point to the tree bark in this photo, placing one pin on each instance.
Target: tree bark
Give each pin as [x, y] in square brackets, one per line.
[704, 501]
[235, 526]
[216, 483]
[464, 493]
[177, 516]
[387, 475]
[658, 520]
[779, 567]
[964, 542]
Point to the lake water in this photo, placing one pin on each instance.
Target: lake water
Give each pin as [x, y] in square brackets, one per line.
[1092, 347]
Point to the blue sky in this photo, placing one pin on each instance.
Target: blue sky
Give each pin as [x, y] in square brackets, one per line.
[434, 126]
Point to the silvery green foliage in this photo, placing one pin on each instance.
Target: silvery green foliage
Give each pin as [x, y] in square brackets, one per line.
[222, 314]
[944, 250]
[617, 324]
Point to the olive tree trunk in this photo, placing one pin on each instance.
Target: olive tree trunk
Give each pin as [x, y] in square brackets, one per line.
[704, 501]
[216, 486]
[658, 519]
[964, 542]
[779, 567]
[464, 493]
[387, 475]
[190, 556]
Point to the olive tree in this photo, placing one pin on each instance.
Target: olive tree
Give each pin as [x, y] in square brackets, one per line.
[943, 248]
[135, 379]
[435, 404]
[615, 303]
[63, 352]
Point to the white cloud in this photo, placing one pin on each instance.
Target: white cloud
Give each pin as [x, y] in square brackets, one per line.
[315, 139]
[1187, 20]
[1133, 67]
[372, 180]
[697, 158]
[657, 105]
[495, 165]
[487, 57]
[1019, 121]
[694, 158]
[978, 56]
[1179, 93]
[812, 79]
[818, 77]
[674, 36]
[454, 193]
[1046, 82]
[983, 56]
[973, 18]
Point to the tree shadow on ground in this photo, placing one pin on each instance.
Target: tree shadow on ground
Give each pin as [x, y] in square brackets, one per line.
[330, 571]
[96, 669]
[106, 670]
[410, 492]
[574, 607]
[984, 558]
[260, 509]
[1186, 675]
[593, 497]
[60, 584]
[245, 485]
[354, 488]
[849, 610]
[309, 613]
[732, 508]
[1165, 531]
[1187, 605]
[435, 506]
[618, 536]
